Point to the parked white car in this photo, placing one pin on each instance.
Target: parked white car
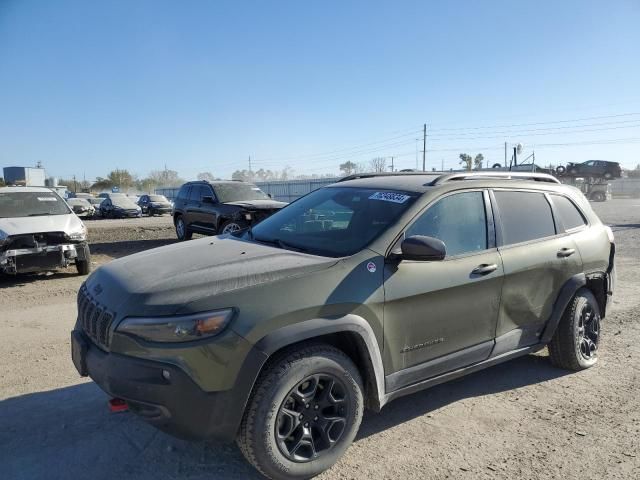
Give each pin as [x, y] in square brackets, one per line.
[39, 232]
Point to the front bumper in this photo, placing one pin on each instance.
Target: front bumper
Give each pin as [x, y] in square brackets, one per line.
[164, 395]
[40, 259]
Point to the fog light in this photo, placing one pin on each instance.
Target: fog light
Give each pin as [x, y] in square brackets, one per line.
[166, 375]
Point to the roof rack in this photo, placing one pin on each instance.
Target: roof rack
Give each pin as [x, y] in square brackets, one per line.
[356, 176]
[536, 177]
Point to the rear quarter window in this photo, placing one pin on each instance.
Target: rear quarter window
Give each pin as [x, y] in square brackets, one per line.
[569, 214]
[524, 216]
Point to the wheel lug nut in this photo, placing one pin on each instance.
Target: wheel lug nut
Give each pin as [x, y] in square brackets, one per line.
[301, 417]
[315, 407]
[306, 424]
[315, 419]
[306, 406]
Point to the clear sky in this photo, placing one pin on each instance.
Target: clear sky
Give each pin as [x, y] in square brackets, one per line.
[199, 86]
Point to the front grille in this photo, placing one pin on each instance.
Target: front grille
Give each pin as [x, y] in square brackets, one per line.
[35, 240]
[94, 319]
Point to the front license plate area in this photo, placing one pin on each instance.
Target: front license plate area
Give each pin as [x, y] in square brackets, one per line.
[79, 353]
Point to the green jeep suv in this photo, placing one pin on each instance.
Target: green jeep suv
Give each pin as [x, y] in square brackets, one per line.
[377, 286]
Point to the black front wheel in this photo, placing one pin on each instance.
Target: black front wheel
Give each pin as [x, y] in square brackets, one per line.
[574, 345]
[303, 414]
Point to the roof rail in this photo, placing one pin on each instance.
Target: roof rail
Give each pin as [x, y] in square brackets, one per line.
[356, 176]
[536, 177]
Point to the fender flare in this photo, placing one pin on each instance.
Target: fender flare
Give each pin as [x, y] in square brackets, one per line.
[567, 292]
[318, 327]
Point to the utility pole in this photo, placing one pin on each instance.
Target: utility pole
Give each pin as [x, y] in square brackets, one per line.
[392, 170]
[249, 163]
[75, 185]
[424, 148]
[442, 164]
[505, 154]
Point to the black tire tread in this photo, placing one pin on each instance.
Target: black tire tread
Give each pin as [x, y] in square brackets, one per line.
[562, 351]
[271, 373]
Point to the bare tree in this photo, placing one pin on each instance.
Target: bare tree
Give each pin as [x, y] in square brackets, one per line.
[348, 167]
[206, 176]
[378, 164]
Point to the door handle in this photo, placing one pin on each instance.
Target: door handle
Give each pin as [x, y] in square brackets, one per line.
[484, 269]
[566, 252]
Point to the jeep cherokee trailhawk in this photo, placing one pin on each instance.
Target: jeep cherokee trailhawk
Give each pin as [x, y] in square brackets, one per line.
[372, 288]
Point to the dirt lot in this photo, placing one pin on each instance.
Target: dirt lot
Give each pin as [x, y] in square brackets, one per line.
[522, 419]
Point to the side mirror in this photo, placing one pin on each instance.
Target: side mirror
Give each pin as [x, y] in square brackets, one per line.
[207, 199]
[422, 248]
[269, 195]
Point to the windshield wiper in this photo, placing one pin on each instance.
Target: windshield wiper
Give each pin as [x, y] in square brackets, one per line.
[282, 244]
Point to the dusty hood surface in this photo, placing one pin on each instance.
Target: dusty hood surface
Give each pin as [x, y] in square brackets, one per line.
[45, 223]
[164, 280]
[259, 204]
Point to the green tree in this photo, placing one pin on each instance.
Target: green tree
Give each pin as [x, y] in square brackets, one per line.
[165, 178]
[121, 179]
[477, 161]
[466, 161]
[348, 167]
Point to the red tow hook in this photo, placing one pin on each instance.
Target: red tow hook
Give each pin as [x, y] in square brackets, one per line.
[118, 405]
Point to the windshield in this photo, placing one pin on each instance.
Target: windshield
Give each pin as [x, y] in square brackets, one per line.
[158, 198]
[123, 202]
[236, 192]
[31, 204]
[335, 221]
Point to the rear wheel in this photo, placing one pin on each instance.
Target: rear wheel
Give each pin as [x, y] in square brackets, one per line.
[303, 414]
[574, 345]
[560, 170]
[608, 175]
[573, 171]
[182, 232]
[598, 197]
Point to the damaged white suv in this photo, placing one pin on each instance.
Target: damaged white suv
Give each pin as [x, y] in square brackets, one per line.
[39, 232]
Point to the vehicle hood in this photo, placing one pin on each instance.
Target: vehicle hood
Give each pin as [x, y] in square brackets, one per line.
[48, 223]
[165, 280]
[160, 204]
[259, 204]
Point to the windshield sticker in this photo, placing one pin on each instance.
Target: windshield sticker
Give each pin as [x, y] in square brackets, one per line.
[371, 267]
[47, 199]
[389, 197]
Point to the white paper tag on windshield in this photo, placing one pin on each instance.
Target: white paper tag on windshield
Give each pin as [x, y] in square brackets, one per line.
[47, 199]
[389, 197]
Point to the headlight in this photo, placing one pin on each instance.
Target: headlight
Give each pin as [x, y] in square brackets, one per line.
[180, 328]
[78, 235]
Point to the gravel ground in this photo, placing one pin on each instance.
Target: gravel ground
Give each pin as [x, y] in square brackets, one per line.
[523, 419]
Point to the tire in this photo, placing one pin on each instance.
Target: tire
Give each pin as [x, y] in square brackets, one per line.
[598, 197]
[608, 175]
[84, 266]
[574, 345]
[182, 232]
[560, 170]
[573, 171]
[294, 380]
[496, 165]
[150, 213]
[231, 226]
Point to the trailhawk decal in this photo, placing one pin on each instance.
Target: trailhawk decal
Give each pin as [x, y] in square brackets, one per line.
[390, 197]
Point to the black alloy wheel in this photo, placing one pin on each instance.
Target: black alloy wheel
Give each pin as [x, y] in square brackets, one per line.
[588, 335]
[312, 418]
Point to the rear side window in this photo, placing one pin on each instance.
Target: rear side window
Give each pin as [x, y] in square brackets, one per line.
[524, 216]
[568, 212]
[184, 192]
[196, 193]
[458, 220]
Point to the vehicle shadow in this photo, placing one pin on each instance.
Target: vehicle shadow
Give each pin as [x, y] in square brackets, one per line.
[58, 434]
[520, 372]
[19, 280]
[624, 226]
[127, 247]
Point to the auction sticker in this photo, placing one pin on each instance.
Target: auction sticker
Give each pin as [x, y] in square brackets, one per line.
[371, 267]
[389, 197]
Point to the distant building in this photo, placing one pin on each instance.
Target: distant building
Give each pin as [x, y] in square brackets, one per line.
[26, 176]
